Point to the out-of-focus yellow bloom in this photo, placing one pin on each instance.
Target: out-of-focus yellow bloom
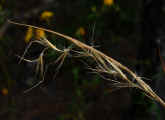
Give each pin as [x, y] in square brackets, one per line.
[4, 91]
[46, 15]
[93, 8]
[80, 31]
[29, 34]
[108, 2]
[40, 34]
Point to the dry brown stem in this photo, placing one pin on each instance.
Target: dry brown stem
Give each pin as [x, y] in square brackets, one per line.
[105, 64]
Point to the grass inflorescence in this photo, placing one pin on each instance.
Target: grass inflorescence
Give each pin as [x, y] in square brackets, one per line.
[104, 64]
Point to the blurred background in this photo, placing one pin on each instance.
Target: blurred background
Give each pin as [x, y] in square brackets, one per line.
[130, 31]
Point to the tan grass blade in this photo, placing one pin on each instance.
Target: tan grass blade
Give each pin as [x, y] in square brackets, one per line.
[103, 59]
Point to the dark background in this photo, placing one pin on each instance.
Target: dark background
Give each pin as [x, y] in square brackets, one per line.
[130, 31]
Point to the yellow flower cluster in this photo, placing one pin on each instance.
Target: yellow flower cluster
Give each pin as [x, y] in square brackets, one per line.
[108, 2]
[80, 31]
[38, 34]
[46, 15]
[93, 8]
[4, 91]
[29, 34]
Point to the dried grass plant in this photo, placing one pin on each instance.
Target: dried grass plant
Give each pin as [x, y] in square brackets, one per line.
[104, 63]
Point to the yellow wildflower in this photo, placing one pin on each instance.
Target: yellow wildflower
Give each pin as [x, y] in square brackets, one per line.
[46, 15]
[93, 8]
[4, 91]
[81, 31]
[29, 34]
[108, 2]
[40, 34]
